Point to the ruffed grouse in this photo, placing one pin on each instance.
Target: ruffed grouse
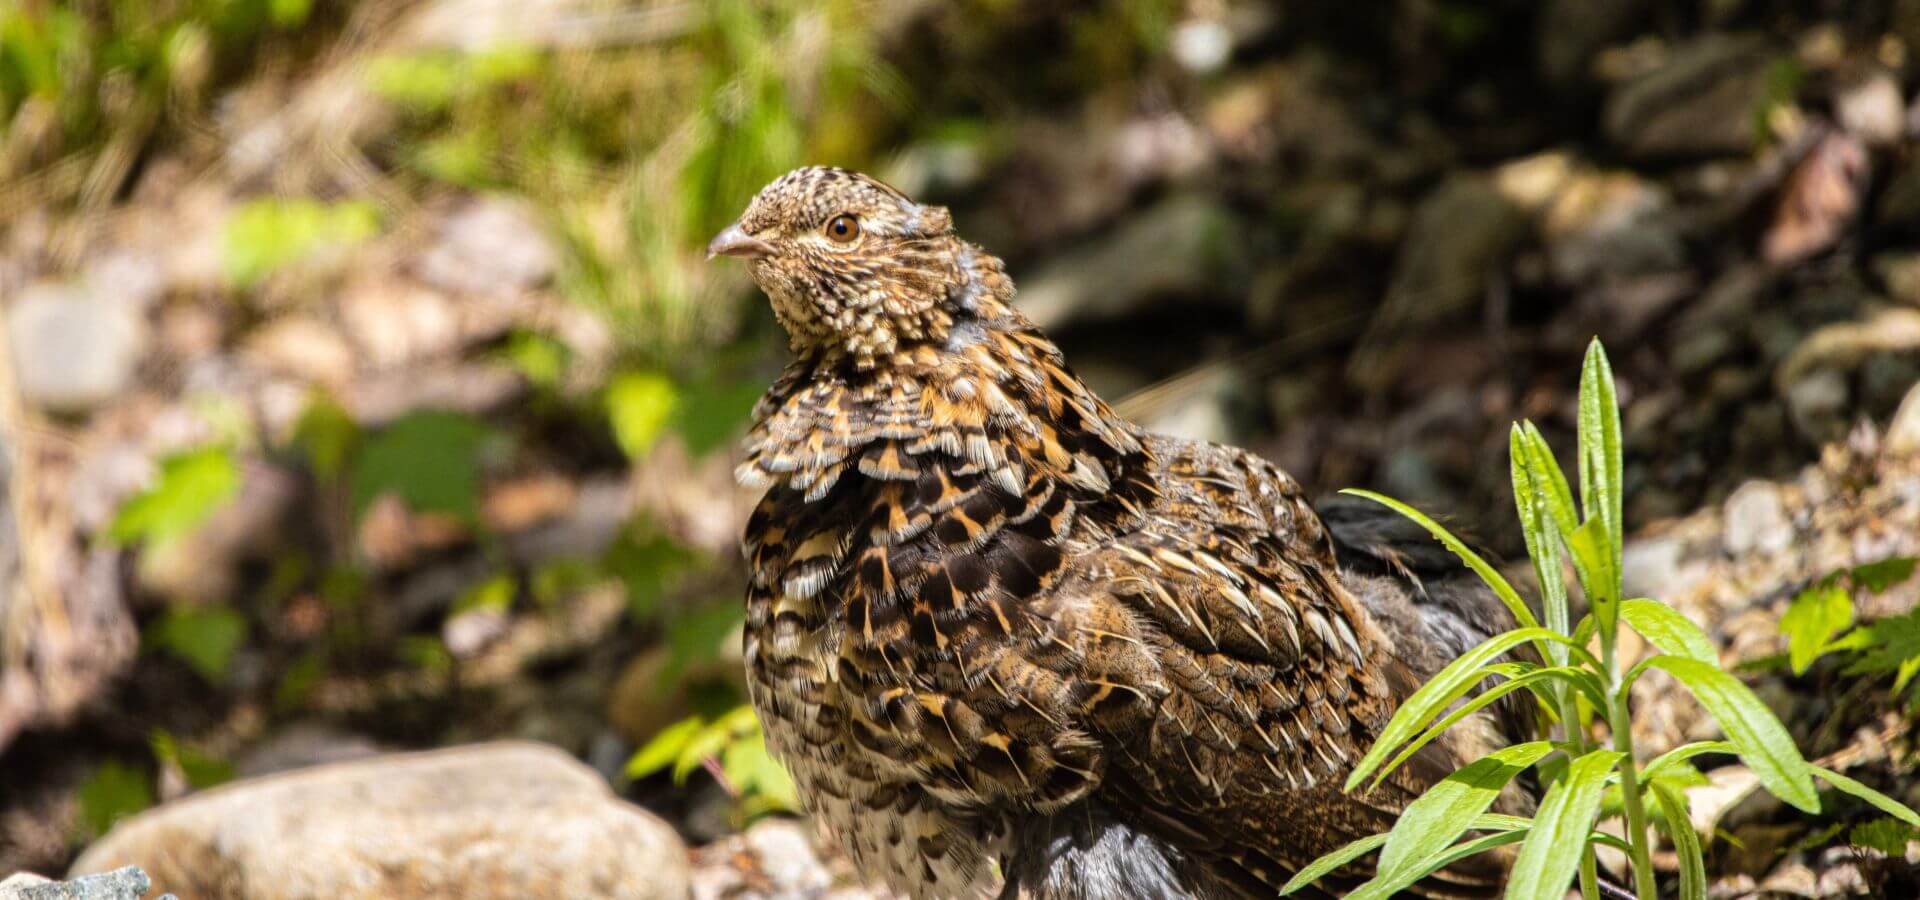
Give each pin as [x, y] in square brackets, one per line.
[1002, 636]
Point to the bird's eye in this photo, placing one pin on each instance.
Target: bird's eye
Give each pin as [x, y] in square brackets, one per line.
[843, 229]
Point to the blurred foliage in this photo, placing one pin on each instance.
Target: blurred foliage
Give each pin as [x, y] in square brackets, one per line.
[113, 791]
[205, 638]
[639, 404]
[265, 236]
[733, 748]
[430, 459]
[77, 78]
[192, 485]
[201, 770]
[1818, 620]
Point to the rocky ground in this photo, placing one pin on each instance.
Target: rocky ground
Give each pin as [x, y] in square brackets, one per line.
[410, 497]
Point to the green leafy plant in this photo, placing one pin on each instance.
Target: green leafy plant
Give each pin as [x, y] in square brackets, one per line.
[192, 486]
[266, 235]
[111, 792]
[732, 748]
[429, 459]
[205, 638]
[1818, 620]
[200, 769]
[1575, 686]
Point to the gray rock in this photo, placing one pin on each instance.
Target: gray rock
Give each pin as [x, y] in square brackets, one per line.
[11, 888]
[1572, 31]
[1817, 403]
[1756, 519]
[1871, 107]
[494, 820]
[1700, 102]
[489, 246]
[127, 883]
[73, 350]
[1177, 247]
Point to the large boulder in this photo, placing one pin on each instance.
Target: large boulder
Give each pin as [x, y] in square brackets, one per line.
[507, 820]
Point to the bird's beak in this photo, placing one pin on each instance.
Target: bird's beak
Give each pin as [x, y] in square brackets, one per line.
[735, 241]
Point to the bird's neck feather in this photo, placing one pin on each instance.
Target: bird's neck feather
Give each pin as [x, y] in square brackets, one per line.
[991, 377]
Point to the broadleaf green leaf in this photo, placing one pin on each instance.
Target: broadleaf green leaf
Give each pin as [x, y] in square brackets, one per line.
[1876, 577]
[1321, 867]
[205, 638]
[1888, 836]
[1878, 800]
[112, 791]
[640, 404]
[1667, 629]
[1437, 694]
[192, 486]
[1686, 843]
[662, 749]
[1764, 744]
[1551, 854]
[1811, 621]
[429, 459]
[1487, 573]
[1432, 822]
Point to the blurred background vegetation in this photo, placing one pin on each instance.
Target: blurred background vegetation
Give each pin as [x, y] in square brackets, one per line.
[369, 389]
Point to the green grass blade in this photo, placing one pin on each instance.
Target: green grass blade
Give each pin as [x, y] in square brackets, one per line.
[1666, 628]
[1551, 855]
[1600, 454]
[1880, 801]
[1543, 542]
[1683, 753]
[1432, 822]
[1686, 843]
[1559, 496]
[1487, 573]
[1325, 864]
[1580, 679]
[1437, 694]
[1764, 744]
[1381, 888]
[1598, 568]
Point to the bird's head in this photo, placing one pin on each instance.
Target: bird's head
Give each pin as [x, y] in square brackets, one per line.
[852, 265]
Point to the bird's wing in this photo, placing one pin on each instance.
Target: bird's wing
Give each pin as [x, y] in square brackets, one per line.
[1268, 683]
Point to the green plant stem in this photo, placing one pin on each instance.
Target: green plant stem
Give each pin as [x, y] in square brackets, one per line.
[1589, 875]
[1622, 726]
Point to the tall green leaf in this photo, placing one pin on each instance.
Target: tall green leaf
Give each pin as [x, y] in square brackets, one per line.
[1319, 868]
[1667, 629]
[1487, 573]
[430, 459]
[1880, 801]
[1599, 571]
[1530, 498]
[1686, 844]
[1437, 694]
[1551, 855]
[1601, 491]
[1384, 888]
[1575, 677]
[1445, 811]
[1681, 754]
[1765, 746]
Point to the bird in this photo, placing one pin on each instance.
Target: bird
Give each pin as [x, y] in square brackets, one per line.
[1010, 644]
